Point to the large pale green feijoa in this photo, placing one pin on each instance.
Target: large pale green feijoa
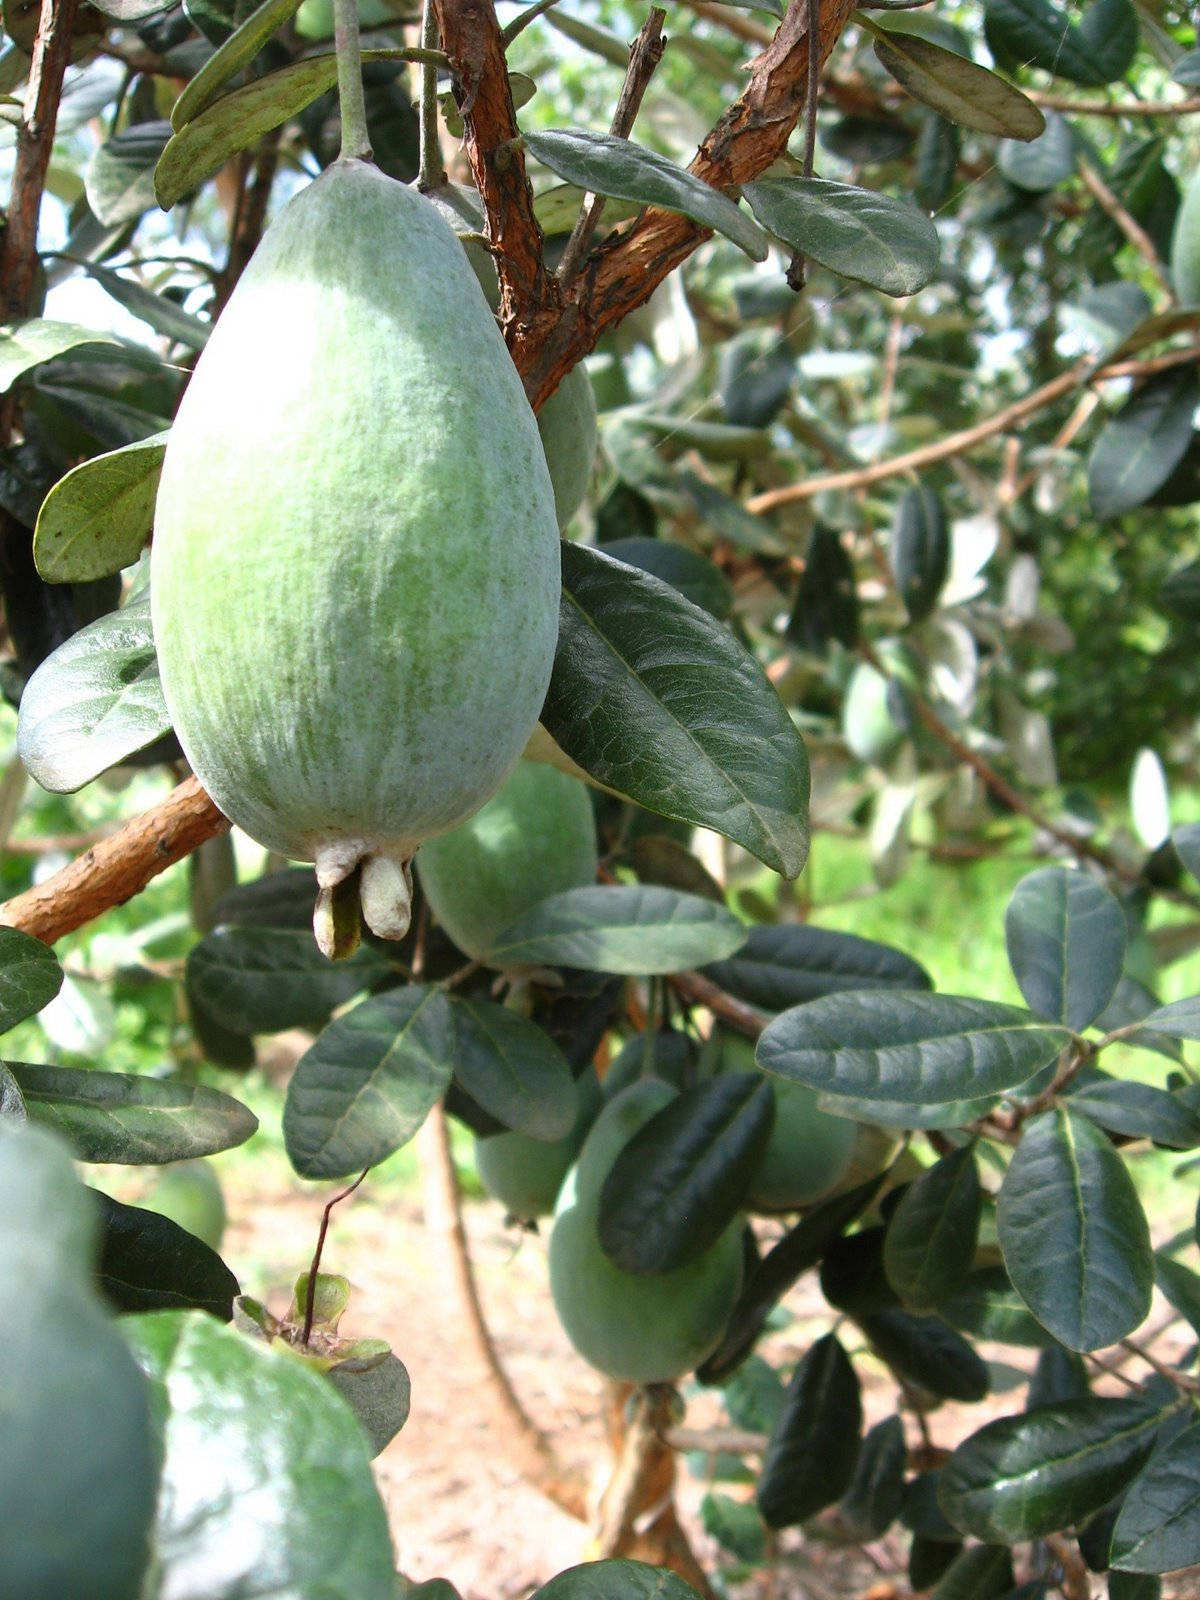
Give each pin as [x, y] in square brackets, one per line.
[355, 569]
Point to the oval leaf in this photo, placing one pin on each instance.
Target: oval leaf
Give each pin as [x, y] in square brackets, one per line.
[659, 702]
[119, 182]
[261, 980]
[94, 702]
[513, 1069]
[678, 1183]
[926, 1352]
[150, 1263]
[1141, 446]
[870, 237]
[960, 89]
[930, 1241]
[1138, 1111]
[900, 1049]
[242, 45]
[25, 345]
[986, 1306]
[920, 550]
[1066, 944]
[368, 1083]
[620, 928]
[788, 963]
[1074, 1234]
[30, 976]
[1158, 1528]
[97, 519]
[813, 1449]
[1097, 50]
[606, 165]
[617, 1579]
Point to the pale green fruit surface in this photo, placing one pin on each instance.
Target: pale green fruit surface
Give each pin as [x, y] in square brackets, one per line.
[641, 1329]
[314, 19]
[190, 1194]
[535, 838]
[355, 569]
[567, 424]
[525, 1174]
[1185, 245]
[868, 726]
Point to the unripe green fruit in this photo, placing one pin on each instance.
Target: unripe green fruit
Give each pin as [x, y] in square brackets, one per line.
[535, 838]
[355, 571]
[525, 1174]
[809, 1151]
[314, 19]
[190, 1194]
[636, 1328]
[1185, 244]
[868, 725]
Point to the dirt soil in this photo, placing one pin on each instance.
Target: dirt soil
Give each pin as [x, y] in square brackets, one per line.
[458, 1507]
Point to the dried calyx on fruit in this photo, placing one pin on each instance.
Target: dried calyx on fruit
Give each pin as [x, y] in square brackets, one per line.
[355, 572]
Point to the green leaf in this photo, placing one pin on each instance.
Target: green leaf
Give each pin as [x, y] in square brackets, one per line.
[1186, 840]
[97, 519]
[379, 1396]
[813, 1449]
[859, 233]
[30, 976]
[158, 311]
[677, 1185]
[119, 181]
[1044, 163]
[788, 963]
[25, 345]
[920, 550]
[735, 1525]
[285, 1507]
[926, 1352]
[1140, 447]
[1180, 1285]
[852, 1275]
[242, 45]
[131, 1118]
[659, 702]
[1133, 1586]
[1096, 51]
[825, 610]
[1066, 944]
[261, 980]
[984, 1572]
[754, 1396]
[368, 1083]
[1181, 1020]
[872, 1502]
[1074, 1234]
[885, 1113]
[930, 1241]
[620, 928]
[77, 1469]
[150, 1263]
[615, 1580]
[606, 165]
[1138, 1111]
[986, 1306]
[907, 1050]
[1049, 1468]
[513, 1069]
[959, 89]
[1158, 1528]
[693, 575]
[96, 700]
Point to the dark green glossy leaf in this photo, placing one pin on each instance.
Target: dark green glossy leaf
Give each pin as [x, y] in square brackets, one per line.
[812, 1452]
[272, 1514]
[930, 1559]
[25, 345]
[825, 610]
[1140, 447]
[615, 1580]
[1138, 1111]
[97, 519]
[876, 1493]
[922, 1511]
[620, 928]
[859, 233]
[986, 1306]
[1073, 1233]
[1048, 1468]
[513, 1069]
[77, 1468]
[936, 164]
[1066, 944]
[852, 1274]
[124, 1117]
[1059, 1375]
[659, 702]
[959, 89]
[1045, 162]
[606, 165]
[920, 550]
[1132, 1003]
[264, 979]
[30, 976]
[694, 575]
[242, 45]
[282, 899]
[1178, 1021]
[931, 1235]
[676, 1186]
[884, 1113]
[120, 176]
[1158, 1529]
[902, 1049]
[150, 1263]
[984, 1572]
[1133, 1586]
[754, 1396]
[756, 375]
[1180, 1285]
[866, 139]
[94, 702]
[928, 1353]
[379, 1397]
[791, 962]
[1097, 50]
[368, 1083]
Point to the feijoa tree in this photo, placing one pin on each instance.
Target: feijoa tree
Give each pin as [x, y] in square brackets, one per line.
[888, 540]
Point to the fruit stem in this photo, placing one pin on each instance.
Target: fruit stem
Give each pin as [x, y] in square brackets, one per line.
[356, 142]
[432, 172]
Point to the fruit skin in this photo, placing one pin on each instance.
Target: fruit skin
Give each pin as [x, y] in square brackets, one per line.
[525, 1174]
[355, 570]
[635, 1328]
[314, 19]
[1185, 245]
[190, 1194]
[535, 838]
[809, 1150]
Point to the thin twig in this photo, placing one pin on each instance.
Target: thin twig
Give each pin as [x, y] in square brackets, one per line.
[1179, 1380]
[1129, 226]
[310, 1298]
[1115, 108]
[644, 55]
